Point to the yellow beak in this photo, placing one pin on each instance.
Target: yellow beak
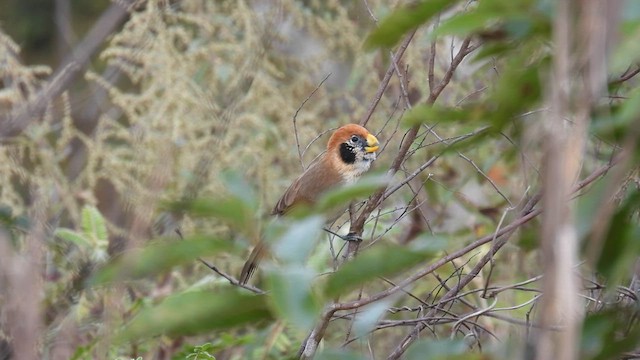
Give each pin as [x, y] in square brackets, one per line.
[372, 144]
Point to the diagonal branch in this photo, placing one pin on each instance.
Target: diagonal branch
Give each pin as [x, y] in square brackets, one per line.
[71, 67]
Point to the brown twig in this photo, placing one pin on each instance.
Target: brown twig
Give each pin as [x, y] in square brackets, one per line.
[385, 81]
[108, 22]
[310, 344]
[295, 117]
[527, 213]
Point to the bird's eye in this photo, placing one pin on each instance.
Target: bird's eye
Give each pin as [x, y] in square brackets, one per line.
[354, 139]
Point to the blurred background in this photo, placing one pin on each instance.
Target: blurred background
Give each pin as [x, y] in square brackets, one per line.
[123, 121]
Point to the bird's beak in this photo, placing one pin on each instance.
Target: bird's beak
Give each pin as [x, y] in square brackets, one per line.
[372, 144]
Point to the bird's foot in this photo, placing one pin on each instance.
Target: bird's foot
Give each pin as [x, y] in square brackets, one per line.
[349, 237]
[352, 237]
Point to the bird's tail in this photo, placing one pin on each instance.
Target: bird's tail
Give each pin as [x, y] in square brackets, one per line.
[253, 261]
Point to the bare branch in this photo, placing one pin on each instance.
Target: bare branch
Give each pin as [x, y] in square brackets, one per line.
[20, 118]
[295, 117]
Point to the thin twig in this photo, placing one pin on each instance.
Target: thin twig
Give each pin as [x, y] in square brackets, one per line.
[385, 81]
[295, 117]
[60, 81]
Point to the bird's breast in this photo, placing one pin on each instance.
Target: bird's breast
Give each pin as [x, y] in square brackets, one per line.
[351, 173]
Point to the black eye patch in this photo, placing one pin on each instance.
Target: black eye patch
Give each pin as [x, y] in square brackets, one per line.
[347, 154]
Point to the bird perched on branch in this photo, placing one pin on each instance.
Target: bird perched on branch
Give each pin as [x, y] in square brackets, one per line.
[350, 152]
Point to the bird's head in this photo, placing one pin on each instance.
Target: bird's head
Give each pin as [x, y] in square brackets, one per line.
[352, 148]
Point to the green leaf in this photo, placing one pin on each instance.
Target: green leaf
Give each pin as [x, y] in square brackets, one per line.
[439, 350]
[231, 209]
[361, 189]
[609, 333]
[622, 245]
[239, 187]
[465, 23]
[153, 259]
[615, 121]
[335, 354]
[197, 312]
[401, 21]
[382, 260]
[72, 236]
[292, 296]
[438, 114]
[627, 51]
[295, 245]
[93, 224]
[369, 317]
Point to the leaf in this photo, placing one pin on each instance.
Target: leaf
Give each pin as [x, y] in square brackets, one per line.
[335, 354]
[159, 257]
[292, 296]
[401, 21]
[72, 236]
[197, 312]
[93, 225]
[438, 114]
[295, 245]
[367, 320]
[608, 334]
[439, 350]
[239, 187]
[622, 245]
[614, 127]
[381, 261]
[465, 23]
[363, 188]
[231, 209]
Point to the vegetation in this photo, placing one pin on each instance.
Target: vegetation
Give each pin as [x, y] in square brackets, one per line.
[501, 219]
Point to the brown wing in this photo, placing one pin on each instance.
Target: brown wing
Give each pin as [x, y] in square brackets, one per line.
[318, 178]
[305, 189]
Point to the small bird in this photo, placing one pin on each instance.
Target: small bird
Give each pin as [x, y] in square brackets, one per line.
[350, 152]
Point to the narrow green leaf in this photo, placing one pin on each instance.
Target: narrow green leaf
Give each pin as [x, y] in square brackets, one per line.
[295, 245]
[159, 257]
[358, 190]
[197, 312]
[465, 23]
[437, 114]
[93, 224]
[603, 336]
[401, 21]
[72, 236]
[381, 261]
[292, 296]
[369, 317]
[231, 209]
[335, 354]
[621, 247]
[615, 120]
[239, 187]
[429, 349]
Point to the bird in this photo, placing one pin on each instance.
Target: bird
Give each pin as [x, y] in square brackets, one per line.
[350, 152]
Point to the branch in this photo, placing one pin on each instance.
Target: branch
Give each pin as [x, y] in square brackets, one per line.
[385, 81]
[377, 198]
[310, 344]
[295, 117]
[526, 214]
[110, 19]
